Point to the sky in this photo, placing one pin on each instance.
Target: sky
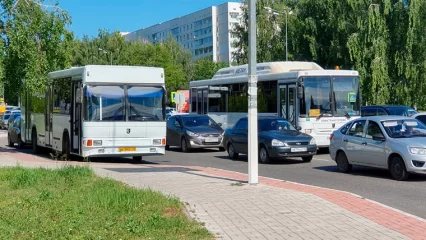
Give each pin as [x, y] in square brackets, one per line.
[127, 15]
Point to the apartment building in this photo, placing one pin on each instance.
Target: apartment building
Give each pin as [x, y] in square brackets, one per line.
[205, 33]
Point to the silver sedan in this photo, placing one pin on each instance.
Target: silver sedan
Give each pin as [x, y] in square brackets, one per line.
[389, 142]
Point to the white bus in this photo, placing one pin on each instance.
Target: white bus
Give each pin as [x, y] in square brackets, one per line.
[98, 111]
[312, 98]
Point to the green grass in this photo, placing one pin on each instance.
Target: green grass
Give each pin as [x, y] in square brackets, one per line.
[73, 203]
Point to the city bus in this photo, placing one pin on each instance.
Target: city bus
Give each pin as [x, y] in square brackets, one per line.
[315, 99]
[98, 111]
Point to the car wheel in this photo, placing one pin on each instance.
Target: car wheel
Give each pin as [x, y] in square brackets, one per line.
[307, 158]
[9, 141]
[222, 149]
[263, 155]
[397, 169]
[184, 145]
[231, 152]
[343, 163]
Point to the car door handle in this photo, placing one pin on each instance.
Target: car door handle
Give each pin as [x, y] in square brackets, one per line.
[364, 143]
[345, 140]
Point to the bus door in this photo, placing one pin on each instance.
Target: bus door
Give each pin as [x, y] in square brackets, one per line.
[77, 100]
[202, 99]
[287, 97]
[48, 118]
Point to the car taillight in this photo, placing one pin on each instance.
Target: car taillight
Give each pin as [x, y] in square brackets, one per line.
[331, 136]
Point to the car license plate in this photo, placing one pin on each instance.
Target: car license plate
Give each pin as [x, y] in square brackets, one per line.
[212, 140]
[127, 149]
[303, 149]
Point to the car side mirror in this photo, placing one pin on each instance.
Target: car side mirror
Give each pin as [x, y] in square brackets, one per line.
[219, 124]
[298, 128]
[379, 137]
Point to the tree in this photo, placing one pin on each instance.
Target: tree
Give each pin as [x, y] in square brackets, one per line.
[168, 54]
[36, 42]
[205, 68]
[270, 44]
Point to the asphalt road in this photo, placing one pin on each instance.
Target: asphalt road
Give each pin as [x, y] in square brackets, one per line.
[374, 184]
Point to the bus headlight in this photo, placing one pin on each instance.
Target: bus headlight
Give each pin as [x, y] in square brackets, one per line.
[159, 141]
[97, 142]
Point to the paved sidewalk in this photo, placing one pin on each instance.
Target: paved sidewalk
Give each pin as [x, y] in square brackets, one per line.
[273, 209]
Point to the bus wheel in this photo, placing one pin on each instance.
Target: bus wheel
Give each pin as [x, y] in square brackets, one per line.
[36, 148]
[66, 147]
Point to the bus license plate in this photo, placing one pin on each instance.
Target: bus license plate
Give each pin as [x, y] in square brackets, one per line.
[303, 149]
[212, 140]
[127, 149]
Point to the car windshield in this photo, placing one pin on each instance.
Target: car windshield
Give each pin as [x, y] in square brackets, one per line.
[267, 125]
[404, 128]
[6, 117]
[198, 121]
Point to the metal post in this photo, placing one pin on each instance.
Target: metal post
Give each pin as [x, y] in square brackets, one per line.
[286, 44]
[252, 101]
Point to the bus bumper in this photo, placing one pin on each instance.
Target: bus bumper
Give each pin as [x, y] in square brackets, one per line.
[123, 151]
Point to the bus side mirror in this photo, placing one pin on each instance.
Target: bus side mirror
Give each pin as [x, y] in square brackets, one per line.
[300, 92]
[79, 96]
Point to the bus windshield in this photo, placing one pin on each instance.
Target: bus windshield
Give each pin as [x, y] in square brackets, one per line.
[114, 103]
[322, 92]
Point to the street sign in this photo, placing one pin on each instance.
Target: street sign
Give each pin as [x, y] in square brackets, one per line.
[173, 97]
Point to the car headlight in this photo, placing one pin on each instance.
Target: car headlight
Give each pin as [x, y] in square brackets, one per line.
[312, 142]
[277, 143]
[192, 134]
[419, 151]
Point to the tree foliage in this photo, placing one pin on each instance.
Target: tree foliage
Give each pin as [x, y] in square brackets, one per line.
[205, 68]
[383, 39]
[36, 41]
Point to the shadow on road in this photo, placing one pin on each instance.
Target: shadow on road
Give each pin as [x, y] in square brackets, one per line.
[244, 158]
[47, 154]
[373, 173]
[195, 150]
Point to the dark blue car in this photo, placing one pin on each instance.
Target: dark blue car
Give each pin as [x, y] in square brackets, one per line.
[277, 139]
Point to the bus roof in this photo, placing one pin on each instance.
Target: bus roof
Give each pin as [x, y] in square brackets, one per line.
[112, 74]
[267, 67]
[270, 71]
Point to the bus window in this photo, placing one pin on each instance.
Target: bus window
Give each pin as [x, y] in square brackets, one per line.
[105, 103]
